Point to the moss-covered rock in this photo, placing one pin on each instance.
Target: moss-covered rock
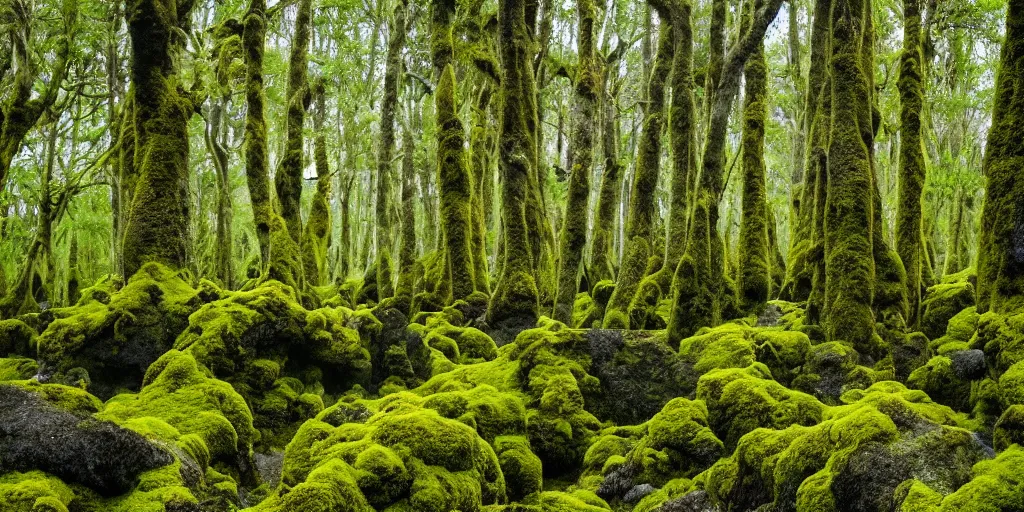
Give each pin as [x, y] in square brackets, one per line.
[116, 335]
[743, 400]
[942, 302]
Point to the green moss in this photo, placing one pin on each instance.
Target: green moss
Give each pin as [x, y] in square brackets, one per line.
[34, 491]
[997, 485]
[849, 264]
[522, 469]
[939, 381]
[17, 368]
[741, 401]
[1000, 285]
[177, 393]
[941, 303]
[1009, 428]
[755, 280]
[726, 346]
[157, 224]
[456, 184]
[104, 331]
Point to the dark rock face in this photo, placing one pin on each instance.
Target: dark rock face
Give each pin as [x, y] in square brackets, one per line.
[696, 501]
[969, 364]
[638, 376]
[98, 454]
[637, 493]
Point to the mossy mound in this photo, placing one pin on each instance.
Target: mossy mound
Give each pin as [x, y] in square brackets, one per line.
[675, 442]
[280, 356]
[402, 451]
[115, 334]
[942, 302]
[854, 459]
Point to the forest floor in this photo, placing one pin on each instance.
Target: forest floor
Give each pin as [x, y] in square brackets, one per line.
[161, 394]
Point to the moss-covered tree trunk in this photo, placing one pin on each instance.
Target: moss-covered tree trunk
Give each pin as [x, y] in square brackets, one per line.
[157, 226]
[849, 216]
[480, 149]
[317, 232]
[407, 243]
[454, 178]
[288, 180]
[699, 283]
[515, 298]
[640, 216]
[1001, 249]
[755, 275]
[574, 230]
[255, 143]
[805, 261]
[383, 233]
[602, 254]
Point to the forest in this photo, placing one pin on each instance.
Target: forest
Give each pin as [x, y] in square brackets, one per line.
[511, 255]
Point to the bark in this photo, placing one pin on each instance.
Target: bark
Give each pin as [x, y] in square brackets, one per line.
[909, 235]
[158, 219]
[1001, 249]
[516, 297]
[754, 279]
[288, 180]
[574, 230]
[385, 150]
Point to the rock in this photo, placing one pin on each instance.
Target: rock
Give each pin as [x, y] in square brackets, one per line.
[969, 364]
[77, 448]
[696, 501]
[637, 493]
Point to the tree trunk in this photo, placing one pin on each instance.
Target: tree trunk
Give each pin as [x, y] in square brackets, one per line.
[849, 252]
[288, 180]
[754, 278]
[515, 297]
[1001, 249]
[383, 236]
[909, 237]
[639, 221]
[574, 231]
[158, 219]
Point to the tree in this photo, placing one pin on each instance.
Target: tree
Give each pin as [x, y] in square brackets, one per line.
[640, 219]
[755, 279]
[157, 226]
[574, 230]
[386, 148]
[288, 180]
[1000, 253]
[849, 219]
[515, 298]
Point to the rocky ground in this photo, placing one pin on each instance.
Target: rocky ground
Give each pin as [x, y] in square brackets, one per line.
[160, 394]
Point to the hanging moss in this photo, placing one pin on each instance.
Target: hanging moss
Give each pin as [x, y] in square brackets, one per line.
[1001, 249]
[516, 298]
[755, 280]
[158, 219]
[849, 262]
[288, 179]
[573, 238]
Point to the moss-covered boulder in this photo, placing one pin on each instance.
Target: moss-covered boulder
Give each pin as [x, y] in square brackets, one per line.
[942, 302]
[115, 334]
[675, 442]
[404, 454]
[743, 400]
[855, 459]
